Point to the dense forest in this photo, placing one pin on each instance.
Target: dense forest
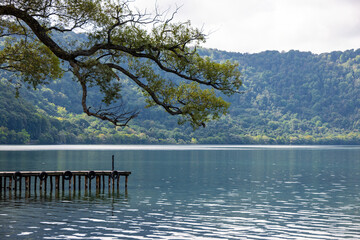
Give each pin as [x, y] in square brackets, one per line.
[288, 98]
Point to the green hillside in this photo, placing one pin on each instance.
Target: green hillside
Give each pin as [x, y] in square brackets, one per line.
[289, 98]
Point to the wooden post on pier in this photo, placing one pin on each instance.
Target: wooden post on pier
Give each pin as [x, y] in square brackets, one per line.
[112, 163]
[51, 183]
[69, 185]
[126, 181]
[57, 183]
[74, 183]
[10, 184]
[27, 184]
[15, 187]
[4, 185]
[97, 182]
[86, 183]
[20, 183]
[109, 182]
[103, 182]
[35, 184]
[79, 184]
[89, 184]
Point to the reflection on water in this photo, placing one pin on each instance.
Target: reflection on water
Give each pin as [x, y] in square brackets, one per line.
[188, 194]
[48, 216]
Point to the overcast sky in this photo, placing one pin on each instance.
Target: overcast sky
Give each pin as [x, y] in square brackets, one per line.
[257, 25]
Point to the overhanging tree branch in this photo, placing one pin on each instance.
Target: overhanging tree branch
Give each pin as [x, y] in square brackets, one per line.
[119, 45]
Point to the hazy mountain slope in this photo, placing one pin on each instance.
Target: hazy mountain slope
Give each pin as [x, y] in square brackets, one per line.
[290, 97]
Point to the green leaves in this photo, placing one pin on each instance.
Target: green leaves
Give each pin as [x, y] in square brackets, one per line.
[199, 105]
[102, 76]
[34, 62]
[121, 42]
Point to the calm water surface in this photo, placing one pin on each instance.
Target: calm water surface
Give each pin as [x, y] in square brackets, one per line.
[191, 192]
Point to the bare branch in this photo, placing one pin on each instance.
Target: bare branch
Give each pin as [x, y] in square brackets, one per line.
[169, 108]
[119, 117]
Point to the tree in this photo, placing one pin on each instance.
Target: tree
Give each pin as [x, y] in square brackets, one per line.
[119, 41]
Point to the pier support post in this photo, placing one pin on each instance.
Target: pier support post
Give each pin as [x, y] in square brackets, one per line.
[15, 186]
[89, 184]
[74, 183]
[27, 184]
[10, 183]
[103, 182]
[97, 182]
[79, 183]
[109, 182]
[20, 183]
[126, 181]
[69, 185]
[86, 183]
[57, 181]
[4, 186]
[51, 183]
[35, 183]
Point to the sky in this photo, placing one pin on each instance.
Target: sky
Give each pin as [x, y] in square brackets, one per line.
[252, 26]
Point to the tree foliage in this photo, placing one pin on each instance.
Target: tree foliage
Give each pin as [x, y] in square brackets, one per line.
[290, 98]
[120, 42]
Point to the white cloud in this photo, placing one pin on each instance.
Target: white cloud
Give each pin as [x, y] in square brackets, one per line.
[258, 25]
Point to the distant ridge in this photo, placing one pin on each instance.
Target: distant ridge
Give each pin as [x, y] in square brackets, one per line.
[290, 98]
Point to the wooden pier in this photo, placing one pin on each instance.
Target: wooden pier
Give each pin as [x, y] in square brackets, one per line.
[43, 181]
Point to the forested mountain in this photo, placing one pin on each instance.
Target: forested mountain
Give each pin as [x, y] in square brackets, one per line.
[289, 98]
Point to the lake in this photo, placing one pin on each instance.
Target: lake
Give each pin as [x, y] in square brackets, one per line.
[191, 192]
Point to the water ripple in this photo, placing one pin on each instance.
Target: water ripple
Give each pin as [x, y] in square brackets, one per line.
[240, 197]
